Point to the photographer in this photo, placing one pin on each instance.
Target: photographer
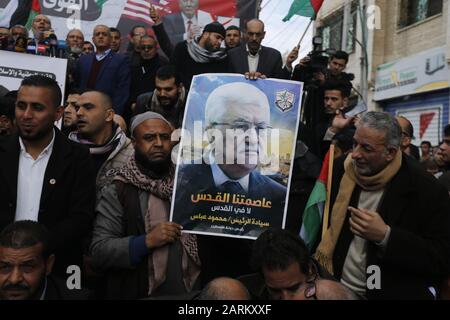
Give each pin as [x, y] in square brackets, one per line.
[315, 71]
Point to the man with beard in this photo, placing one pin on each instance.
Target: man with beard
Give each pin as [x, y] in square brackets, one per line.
[105, 70]
[108, 145]
[255, 60]
[26, 263]
[75, 40]
[203, 55]
[43, 176]
[141, 252]
[168, 99]
[70, 114]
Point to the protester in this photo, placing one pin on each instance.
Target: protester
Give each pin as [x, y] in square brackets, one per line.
[425, 148]
[283, 266]
[387, 213]
[168, 99]
[141, 252]
[203, 55]
[87, 48]
[26, 263]
[105, 70]
[70, 113]
[143, 74]
[109, 146]
[232, 37]
[255, 60]
[44, 177]
[224, 289]
[407, 135]
[116, 40]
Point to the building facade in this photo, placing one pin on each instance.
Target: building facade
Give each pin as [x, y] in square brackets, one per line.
[400, 55]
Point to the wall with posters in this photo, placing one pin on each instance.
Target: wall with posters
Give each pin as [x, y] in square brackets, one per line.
[428, 113]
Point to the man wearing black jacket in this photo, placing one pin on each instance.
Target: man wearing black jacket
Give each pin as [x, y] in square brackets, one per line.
[43, 176]
[388, 236]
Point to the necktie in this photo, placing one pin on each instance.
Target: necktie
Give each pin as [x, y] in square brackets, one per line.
[233, 187]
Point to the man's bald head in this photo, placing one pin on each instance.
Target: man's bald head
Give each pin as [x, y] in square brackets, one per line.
[255, 23]
[225, 289]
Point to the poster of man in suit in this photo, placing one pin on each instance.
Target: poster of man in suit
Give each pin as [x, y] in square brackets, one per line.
[236, 153]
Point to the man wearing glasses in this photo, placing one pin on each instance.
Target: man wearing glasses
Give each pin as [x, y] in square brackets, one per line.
[143, 74]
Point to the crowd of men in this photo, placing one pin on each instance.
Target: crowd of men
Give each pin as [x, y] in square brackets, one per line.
[96, 194]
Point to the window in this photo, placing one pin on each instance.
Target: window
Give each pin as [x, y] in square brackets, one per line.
[351, 32]
[332, 32]
[412, 11]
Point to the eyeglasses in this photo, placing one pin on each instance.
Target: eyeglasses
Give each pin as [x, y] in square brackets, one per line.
[146, 47]
[243, 125]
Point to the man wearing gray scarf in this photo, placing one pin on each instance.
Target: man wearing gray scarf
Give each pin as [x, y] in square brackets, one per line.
[202, 55]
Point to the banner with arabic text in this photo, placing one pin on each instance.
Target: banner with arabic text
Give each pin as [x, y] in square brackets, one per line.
[235, 157]
[14, 67]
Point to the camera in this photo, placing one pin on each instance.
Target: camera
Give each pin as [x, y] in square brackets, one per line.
[318, 62]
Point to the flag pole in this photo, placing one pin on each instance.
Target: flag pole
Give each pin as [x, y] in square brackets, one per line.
[326, 212]
[304, 33]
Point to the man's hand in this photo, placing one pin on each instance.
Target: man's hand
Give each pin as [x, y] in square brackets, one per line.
[340, 122]
[154, 15]
[304, 61]
[367, 224]
[194, 32]
[293, 55]
[47, 34]
[254, 75]
[164, 233]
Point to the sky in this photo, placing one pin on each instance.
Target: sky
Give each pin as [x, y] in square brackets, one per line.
[284, 36]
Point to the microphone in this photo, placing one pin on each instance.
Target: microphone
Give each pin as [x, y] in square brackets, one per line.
[31, 48]
[42, 49]
[52, 43]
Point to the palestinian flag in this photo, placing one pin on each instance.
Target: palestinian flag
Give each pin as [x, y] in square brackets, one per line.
[304, 8]
[313, 214]
[15, 12]
[35, 10]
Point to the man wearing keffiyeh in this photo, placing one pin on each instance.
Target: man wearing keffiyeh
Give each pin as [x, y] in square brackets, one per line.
[141, 252]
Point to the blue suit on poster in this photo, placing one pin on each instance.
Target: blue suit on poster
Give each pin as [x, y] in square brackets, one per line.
[196, 179]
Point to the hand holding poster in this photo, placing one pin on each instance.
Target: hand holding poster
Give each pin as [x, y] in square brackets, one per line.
[234, 168]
